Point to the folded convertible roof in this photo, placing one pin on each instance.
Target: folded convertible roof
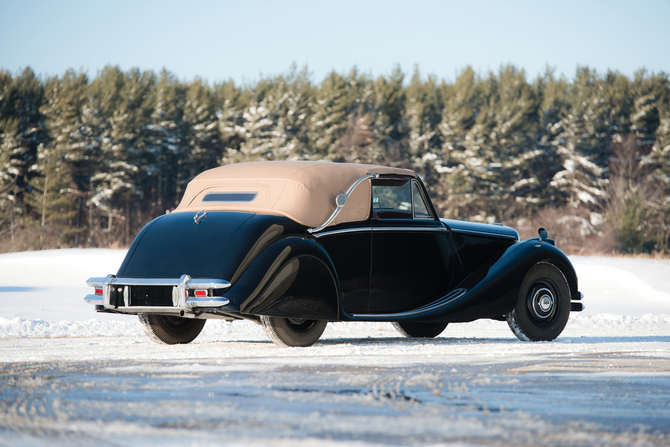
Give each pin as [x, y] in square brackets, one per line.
[303, 191]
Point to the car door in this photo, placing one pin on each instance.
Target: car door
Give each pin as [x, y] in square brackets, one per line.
[410, 251]
[349, 247]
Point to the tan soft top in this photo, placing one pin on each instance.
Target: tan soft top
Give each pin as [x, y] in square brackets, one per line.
[304, 191]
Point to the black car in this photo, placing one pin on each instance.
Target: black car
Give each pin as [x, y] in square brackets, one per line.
[293, 245]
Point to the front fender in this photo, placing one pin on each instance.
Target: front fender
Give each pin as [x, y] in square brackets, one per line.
[292, 277]
[493, 289]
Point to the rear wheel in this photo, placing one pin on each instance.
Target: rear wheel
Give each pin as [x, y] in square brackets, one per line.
[543, 305]
[420, 330]
[171, 330]
[289, 332]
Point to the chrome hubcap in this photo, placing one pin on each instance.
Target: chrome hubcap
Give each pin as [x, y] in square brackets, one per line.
[542, 303]
[545, 303]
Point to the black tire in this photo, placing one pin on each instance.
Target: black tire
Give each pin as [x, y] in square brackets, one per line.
[543, 305]
[171, 330]
[419, 330]
[288, 332]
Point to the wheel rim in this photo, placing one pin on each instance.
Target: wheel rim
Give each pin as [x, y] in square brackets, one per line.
[542, 302]
[299, 324]
[175, 322]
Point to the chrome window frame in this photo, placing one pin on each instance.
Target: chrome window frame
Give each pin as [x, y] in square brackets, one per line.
[423, 199]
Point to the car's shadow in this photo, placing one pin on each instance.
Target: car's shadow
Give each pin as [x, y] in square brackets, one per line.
[443, 341]
[511, 340]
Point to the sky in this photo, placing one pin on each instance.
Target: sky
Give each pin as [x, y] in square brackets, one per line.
[246, 40]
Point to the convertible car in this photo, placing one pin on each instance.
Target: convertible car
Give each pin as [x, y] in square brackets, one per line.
[293, 245]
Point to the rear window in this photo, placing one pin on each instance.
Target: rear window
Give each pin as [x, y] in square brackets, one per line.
[247, 196]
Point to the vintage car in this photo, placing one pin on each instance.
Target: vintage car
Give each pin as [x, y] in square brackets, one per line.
[293, 245]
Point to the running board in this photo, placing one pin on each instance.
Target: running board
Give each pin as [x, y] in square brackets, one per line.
[453, 295]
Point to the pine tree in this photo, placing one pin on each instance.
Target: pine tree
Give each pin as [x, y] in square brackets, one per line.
[23, 132]
[649, 92]
[555, 102]
[424, 115]
[125, 100]
[167, 145]
[523, 168]
[274, 125]
[61, 184]
[230, 103]
[659, 155]
[456, 192]
[341, 124]
[389, 120]
[583, 143]
[204, 139]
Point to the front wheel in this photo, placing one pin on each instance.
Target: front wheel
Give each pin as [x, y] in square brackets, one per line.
[419, 330]
[288, 332]
[171, 330]
[543, 305]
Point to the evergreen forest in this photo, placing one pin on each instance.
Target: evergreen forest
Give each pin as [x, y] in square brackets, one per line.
[87, 161]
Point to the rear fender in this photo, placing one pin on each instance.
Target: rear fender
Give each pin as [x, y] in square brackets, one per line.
[292, 277]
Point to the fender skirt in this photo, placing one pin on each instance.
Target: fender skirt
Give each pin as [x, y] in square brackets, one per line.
[292, 277]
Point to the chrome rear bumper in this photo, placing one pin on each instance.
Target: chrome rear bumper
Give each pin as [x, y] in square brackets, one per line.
[181, 301]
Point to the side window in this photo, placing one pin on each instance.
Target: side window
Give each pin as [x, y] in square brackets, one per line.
[420, 208]
[392, 199]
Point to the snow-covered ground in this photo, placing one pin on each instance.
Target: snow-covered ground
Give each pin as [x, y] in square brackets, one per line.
[71, 376]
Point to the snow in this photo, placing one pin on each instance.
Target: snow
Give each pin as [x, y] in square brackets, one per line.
[71, 376]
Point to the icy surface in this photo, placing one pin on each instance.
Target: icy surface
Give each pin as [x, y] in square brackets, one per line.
[69, 376]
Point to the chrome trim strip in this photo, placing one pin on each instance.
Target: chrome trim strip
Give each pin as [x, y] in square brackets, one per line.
[210, 301]
[344, 230]
[355, 230]
[207, 284]
[92, 282]
[485, 233]
[453, 295]
[93, 299]
[409, 229]
[341, 201]
[196, 283]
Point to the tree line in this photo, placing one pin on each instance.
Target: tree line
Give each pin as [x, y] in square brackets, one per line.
[86, 162]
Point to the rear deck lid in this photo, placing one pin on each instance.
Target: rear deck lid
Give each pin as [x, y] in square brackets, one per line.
[175, 245]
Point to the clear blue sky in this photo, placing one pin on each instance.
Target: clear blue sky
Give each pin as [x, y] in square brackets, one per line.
[242, 40]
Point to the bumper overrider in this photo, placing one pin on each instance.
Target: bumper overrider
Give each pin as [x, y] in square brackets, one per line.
[156, 295]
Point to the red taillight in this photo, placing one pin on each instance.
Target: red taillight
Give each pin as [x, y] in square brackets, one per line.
[98, 291]
[200, 293]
